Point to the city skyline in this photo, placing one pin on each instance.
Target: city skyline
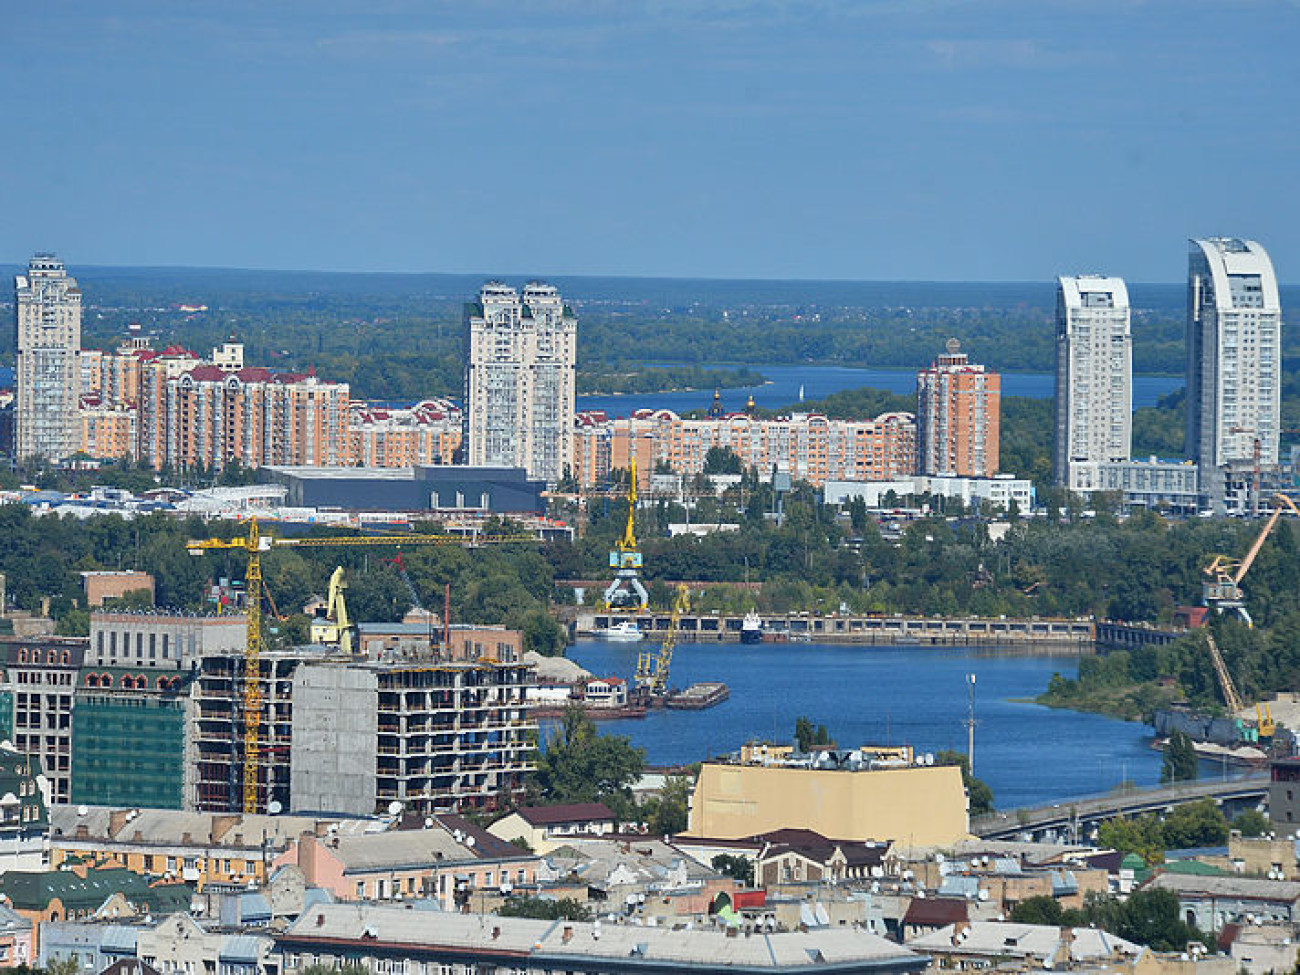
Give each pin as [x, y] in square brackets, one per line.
[872, 141]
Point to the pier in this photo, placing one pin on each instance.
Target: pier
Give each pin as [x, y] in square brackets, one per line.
[1064, 635]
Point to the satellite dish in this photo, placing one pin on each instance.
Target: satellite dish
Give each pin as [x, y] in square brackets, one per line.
[83, 810]
[274, 808]
[394, 808]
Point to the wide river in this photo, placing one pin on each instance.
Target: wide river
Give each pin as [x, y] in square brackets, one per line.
[891, 695]
[784, 383]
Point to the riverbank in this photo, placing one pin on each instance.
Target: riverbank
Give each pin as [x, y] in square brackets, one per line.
[891, 695]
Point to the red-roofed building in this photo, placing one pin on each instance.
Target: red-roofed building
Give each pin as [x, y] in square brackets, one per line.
[544, 828]
[430, 432]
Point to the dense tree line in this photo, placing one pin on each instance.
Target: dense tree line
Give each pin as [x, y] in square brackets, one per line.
[1145, 917]
[43, 556]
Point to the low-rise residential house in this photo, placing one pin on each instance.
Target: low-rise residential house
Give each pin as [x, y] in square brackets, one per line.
[24, 811]
[446, 861]
[798, 855]
[1263, 856]
[227, 850]
[1210, 902]
[925, 915]
[544, 828]
[1260, 949]
[605, 692]
[60, 895]
[392, 939]
[979, 945]
[92, 946]
[16, 939]
[179, 945]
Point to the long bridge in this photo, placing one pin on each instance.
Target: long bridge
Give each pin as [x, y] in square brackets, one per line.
[1073, 819]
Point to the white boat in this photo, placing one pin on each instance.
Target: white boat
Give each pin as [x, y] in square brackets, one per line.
[751, 628]
[624, 632]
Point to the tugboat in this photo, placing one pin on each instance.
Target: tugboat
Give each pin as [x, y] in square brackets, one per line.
[751, 628]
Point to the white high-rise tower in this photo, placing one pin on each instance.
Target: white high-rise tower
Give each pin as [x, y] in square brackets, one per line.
[1234, 359]
[48, 379]
[519, 380]
[1094, 378]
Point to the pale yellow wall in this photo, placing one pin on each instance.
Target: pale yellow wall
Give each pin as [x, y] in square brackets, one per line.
[911, 806]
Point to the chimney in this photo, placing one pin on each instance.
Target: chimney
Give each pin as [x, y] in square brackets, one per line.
[117, 819]
[568, 934]
[496, 933]
[959, 928]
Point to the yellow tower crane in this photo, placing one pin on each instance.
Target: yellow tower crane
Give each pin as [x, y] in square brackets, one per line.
[652, 666]
[626, 592]
[253, 543]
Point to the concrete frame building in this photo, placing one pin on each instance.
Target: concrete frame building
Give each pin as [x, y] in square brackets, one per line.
[350, 737]
[1234, 363]
[1094, 377]
[519, 379]
[41, 674]
[957, 416]
[48, 373]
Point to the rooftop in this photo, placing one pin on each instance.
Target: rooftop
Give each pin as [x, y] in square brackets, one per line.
[557, 943]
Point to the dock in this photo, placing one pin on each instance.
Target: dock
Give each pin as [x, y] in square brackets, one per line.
[1064, 635]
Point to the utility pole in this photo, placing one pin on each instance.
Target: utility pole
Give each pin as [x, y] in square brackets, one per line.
[970, 723]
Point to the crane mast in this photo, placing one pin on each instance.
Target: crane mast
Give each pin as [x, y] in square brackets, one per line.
[652, 666]
[1230, 696]
[627, 592]
[253, 543]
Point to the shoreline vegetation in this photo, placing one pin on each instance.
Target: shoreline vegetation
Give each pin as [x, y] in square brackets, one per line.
[631, 380]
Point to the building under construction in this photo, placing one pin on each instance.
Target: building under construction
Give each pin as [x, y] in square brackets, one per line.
[351, 736]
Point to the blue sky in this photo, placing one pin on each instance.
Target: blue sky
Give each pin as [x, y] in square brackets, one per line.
[876, 139]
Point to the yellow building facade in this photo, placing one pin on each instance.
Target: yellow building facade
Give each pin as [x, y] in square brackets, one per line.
[916, 806]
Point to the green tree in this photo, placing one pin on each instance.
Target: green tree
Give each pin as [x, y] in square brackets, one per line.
[808, 736]
[542, 634]
[1151, 917]
[721, 460]
[1141, 835]
[666, 813]
[1180, 762]
[1194, 824]
[1043, 909]
[545, 909]
[1251, 823]
[579, 765]
[738, 868]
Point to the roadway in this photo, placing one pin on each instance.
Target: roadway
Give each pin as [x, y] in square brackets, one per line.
[1078, 814]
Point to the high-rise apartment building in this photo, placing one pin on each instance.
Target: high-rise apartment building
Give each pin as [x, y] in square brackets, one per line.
[807, 446]
[1094, 378]
[958, 409]
[48, 380]
[519, 379]
[1234, 358]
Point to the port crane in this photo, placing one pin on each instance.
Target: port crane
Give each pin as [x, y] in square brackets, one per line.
[335, 626]
[254, 542]
[1222, 587]
[626, 592]
[652, 666]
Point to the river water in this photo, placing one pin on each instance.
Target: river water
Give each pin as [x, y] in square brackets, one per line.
[785, 382]
[1028, 754]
